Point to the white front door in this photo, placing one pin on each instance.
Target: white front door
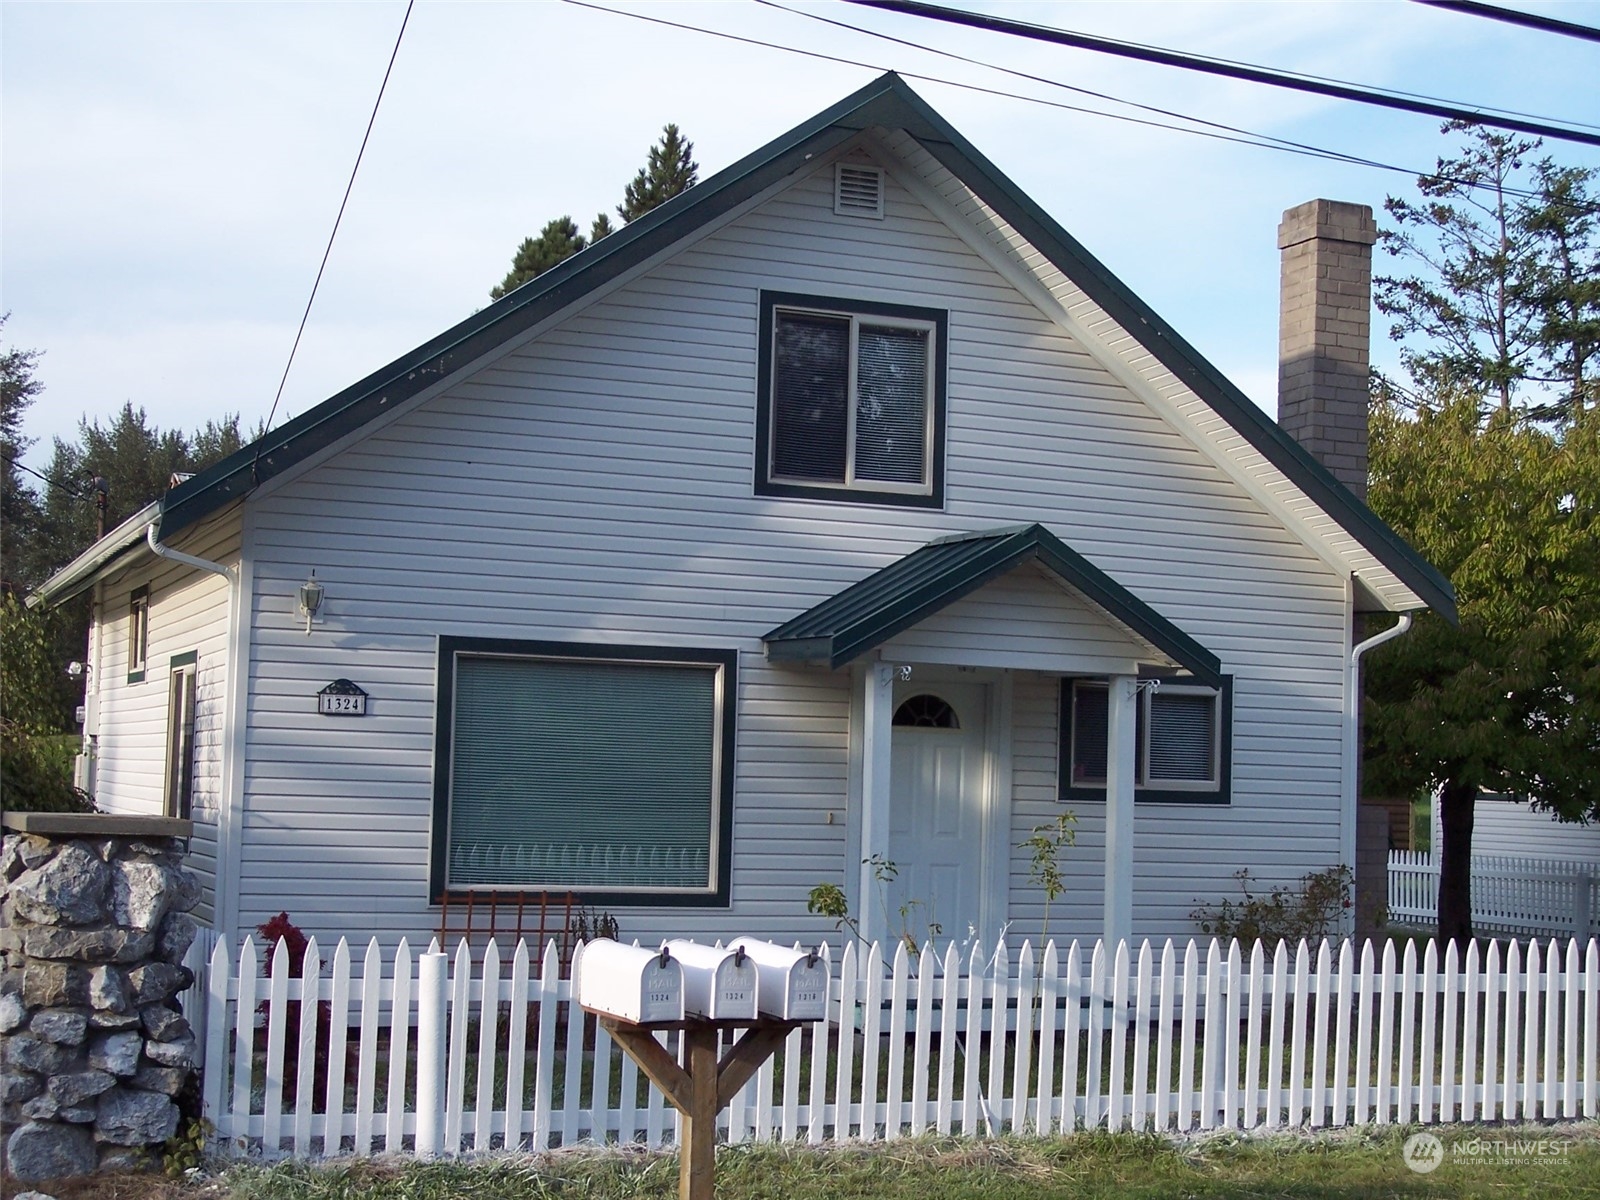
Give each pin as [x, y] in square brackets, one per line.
[937, 809]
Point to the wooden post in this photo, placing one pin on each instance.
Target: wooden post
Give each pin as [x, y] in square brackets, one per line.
[705, 1088]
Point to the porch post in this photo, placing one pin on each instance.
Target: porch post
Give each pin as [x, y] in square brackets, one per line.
[876, 750]
[1119, 811]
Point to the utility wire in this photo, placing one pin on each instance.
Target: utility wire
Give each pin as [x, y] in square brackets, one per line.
[1251, 74]
[1082, 91]
[305, 316]
[55, 483]
[1512, 17]
[1248, 140]
[1259, 141]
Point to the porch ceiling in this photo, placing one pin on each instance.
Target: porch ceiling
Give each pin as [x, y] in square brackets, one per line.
[871, 611]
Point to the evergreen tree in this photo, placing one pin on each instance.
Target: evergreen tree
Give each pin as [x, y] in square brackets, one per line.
[19, 505]
[671, 169]
[1509, 701]
[1504, 297]
[558, 241]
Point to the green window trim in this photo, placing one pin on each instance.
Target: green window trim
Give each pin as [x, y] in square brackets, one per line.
[1145, 793]
[533, 794]
[855, 488]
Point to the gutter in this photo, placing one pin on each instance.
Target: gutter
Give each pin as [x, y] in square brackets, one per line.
[81, 573]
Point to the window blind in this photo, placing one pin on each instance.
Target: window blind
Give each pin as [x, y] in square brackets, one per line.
[810, 386]
[891, 404]
[1182, 737]
[1091, 720]
[582, 774]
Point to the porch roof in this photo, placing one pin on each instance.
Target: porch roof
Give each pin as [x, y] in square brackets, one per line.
[871, 611]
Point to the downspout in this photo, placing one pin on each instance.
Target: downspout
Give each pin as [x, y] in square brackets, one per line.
[188, 560]
[1352, 731]
[224, 891]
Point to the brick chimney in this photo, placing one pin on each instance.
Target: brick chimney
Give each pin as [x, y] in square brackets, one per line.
[1324, 333]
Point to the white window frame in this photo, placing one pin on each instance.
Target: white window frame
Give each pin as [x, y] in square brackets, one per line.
[852, 396]
[722, 667]
[138, 634]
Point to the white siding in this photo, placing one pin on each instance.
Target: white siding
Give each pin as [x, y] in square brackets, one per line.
[1025, 620]
[1501, 826]
[595, 485]
[188, 613]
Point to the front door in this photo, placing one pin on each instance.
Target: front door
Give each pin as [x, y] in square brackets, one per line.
[937, 808]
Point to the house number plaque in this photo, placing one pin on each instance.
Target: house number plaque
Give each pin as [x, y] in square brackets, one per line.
[341, 698]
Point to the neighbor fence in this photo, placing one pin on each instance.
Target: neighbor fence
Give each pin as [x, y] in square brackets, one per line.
[425, 1054]
[1524, 897]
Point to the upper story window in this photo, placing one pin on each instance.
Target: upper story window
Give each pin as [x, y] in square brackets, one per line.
[1182, 741]
[138, 633]
[852, 401]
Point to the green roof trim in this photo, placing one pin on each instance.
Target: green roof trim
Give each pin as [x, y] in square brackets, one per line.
[888, 102]
[891, 600]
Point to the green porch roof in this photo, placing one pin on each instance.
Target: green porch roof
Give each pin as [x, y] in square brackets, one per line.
[870, 612]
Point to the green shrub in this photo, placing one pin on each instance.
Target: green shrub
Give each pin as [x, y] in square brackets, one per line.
[36, 772]
[1310, 910]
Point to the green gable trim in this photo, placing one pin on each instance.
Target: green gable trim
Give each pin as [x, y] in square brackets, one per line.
[1266, 436]
[887, 102]
[889, 601]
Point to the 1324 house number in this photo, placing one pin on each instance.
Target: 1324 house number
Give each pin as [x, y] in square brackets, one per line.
[341, 698]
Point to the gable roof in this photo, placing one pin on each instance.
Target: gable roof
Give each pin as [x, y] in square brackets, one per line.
[871, 611]
[886, 102]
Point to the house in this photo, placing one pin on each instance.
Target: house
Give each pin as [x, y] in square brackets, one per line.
[843, 509]
[1509, 827]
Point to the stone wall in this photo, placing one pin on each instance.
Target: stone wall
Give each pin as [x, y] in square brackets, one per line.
[98, 1059]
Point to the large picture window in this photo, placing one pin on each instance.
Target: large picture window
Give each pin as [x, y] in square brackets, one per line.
[1182, 741]
[852, 401]
[604, 771]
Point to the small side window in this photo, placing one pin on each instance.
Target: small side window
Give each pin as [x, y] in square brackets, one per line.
[180, 737]
[138, 634]
[1182, 741]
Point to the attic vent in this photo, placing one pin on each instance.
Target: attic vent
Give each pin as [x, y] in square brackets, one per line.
[858, 191]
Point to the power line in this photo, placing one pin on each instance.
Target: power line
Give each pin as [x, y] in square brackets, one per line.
[1251, 74]
[335, 232]
[1287, 143]
[1512, 17]
[55, 483]
[1260, 141]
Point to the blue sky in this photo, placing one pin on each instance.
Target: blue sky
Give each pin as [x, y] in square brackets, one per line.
[169, 173]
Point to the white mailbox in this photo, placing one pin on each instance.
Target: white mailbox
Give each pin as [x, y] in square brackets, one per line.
[630, 982]
[791, 985]
[717, 984]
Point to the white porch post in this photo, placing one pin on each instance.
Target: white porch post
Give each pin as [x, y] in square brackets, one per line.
[876, 750]
[1119, 811]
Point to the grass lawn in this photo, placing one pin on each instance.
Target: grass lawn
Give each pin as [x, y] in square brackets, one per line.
[1331, 1166]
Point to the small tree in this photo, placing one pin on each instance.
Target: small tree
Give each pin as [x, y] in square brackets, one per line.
[558, 241]
[671, 169]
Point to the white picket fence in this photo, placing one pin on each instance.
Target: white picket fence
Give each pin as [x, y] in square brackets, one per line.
[424, 1055]
[1537, 897]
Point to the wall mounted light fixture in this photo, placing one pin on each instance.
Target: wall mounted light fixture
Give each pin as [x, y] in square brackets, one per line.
[311, 593]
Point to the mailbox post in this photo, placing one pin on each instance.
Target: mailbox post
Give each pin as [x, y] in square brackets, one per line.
[608, 985]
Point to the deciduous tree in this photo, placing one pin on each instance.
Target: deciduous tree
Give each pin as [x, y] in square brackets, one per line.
[1508, 701]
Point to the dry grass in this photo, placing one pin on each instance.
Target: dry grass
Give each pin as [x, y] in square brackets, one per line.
[1363, 1164]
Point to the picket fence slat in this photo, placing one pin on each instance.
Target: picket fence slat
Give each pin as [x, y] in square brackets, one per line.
[341, 1057]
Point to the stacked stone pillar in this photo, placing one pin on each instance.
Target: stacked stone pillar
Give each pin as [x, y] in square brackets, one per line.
[93, 932]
